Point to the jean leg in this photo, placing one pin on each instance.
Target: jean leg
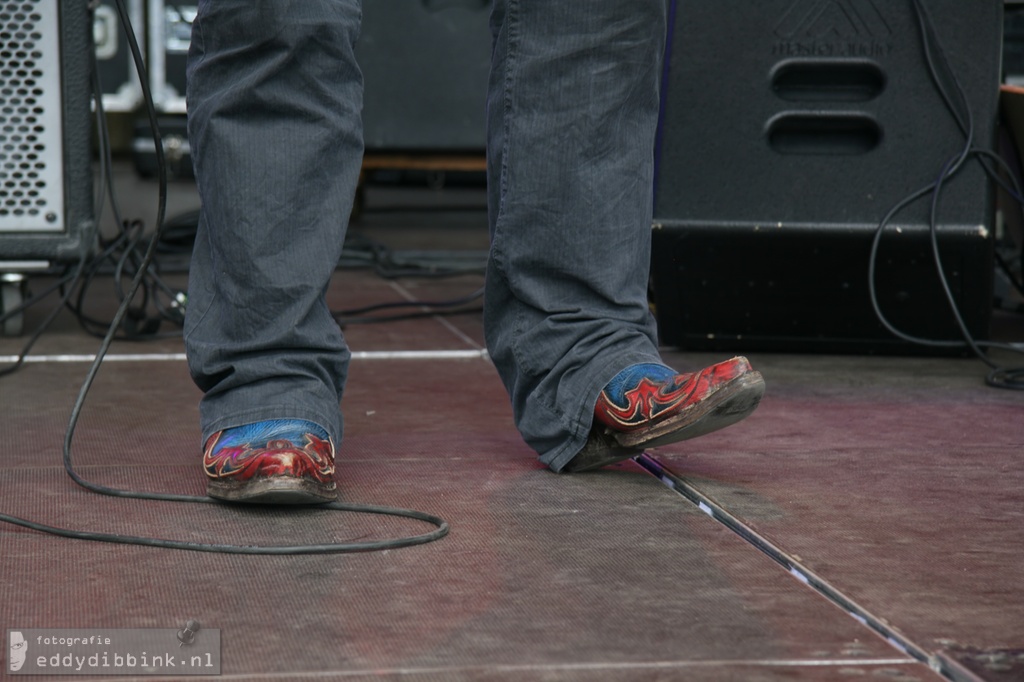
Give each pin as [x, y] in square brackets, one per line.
[572, 115]
[274, 100]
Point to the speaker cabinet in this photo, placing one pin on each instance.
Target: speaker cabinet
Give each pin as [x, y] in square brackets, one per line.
[790, 129]
[45, 127]
[425, 67]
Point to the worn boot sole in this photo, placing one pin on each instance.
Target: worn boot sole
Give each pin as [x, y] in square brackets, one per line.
[729, 404]
[273, 490]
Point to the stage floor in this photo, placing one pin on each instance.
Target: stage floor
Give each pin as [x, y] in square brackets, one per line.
[867, 522]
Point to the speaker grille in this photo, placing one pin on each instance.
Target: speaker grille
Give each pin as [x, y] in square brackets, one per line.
[31, 140]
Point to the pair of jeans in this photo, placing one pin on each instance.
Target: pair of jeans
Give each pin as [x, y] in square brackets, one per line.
[274, 98]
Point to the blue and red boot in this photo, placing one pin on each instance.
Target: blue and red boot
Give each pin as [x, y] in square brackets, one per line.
[279, 461]
[648, 405]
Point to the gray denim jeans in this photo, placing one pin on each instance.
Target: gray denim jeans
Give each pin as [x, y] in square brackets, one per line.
[274, 99]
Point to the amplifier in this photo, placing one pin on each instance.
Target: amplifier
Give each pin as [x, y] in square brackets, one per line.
[425, 67]
[45, 133]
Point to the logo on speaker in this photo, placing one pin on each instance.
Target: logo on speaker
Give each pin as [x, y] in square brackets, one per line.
[833, 29]
[833, 20]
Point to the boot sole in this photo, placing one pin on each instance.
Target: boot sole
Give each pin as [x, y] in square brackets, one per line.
[282, 490]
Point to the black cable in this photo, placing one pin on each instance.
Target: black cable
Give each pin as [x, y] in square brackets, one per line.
[1005, 267]
[389, 264]
[98, 328]
[103, 138]
[121, 251]
[939, 65]
[1011, 187]
[935, 57]
[179, 233]
[449, 307]
[451, 303]
[45, 324]
[441, 526]
[104, 151]
[371, 319]
[933, 232]
[36, 298]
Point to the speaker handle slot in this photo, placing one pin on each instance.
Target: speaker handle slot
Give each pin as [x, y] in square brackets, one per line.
[823, 133]
[828, 80]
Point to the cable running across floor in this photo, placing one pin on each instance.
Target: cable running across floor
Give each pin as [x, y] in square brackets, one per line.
[441, 526]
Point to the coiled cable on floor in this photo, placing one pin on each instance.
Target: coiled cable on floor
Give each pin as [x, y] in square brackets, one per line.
[441, 526]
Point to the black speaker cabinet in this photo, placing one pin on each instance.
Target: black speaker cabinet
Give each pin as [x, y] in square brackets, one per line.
[790, 129]
[45, 127]
[425, 66]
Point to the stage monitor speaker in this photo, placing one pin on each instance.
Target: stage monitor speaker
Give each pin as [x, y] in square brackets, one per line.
[45, 129]
[425, 67]
[790, 129]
